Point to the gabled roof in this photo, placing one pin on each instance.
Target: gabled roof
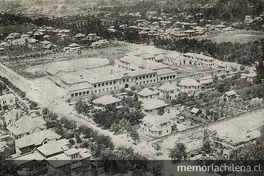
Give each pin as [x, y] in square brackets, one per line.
[156, 120]
[36, 138]
[74, 45]
[79, 35]
[147, 92]
[189, 82]
[165, 71]
[230, 93]
[153, 104]
[20, 127]
[45, 42]
[199, 56]
[195, 110]
[168, 87]
[53, 147]
[106, 100]
[28, 157]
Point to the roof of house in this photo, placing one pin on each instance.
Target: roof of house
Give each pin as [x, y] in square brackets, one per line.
[168, 87]
[199, 56]
[147, 92]
[160, 57]
[206, 81]
[106, 100]
[53, 147]
[59, 160]
[45, 42]
[153, 104]
[79, 35]
[71, 151]
[148, 64]
[195, 110]
[156, 120]
[74, 45]
[230, 93]
[28, 157]
[173, 54]
[20, 127]
[30, 41]
[7, 96]
[189, 82]
[36, 138]
[250, 75]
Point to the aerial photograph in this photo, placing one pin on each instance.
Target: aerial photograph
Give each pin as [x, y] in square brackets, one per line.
[131, 87]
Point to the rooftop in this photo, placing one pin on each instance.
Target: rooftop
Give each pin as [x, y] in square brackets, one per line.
[53, 147]
[59, 160]
[189, 82]
[106, 100]
[165, 71]
[168, 87]
[157, 120]
[230, 93]
[147, 92]
[79, 86]
[28, 157]
[153, 104]
[20, 127]
[199, 56]
[36, 138]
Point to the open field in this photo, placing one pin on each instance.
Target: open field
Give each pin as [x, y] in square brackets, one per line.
[30, 68]
[69, 65]
[239, 37]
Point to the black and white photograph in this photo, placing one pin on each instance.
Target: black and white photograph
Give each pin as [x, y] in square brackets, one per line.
[131, 87]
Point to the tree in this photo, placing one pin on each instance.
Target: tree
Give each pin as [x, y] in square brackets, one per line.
[178, 152]
[206, 142]
[134, 135]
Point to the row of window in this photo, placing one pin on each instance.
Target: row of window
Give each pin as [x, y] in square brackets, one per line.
[105, 83]
[145, 82]
[145, 76]
[168, 77]
[80, 93]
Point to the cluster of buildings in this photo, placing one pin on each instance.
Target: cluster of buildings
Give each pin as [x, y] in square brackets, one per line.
[145, 67]
[37, 145]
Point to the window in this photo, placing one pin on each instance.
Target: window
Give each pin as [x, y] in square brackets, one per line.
[114, 82]
[147, 76]
[140, 77]
[127, 80]
[173, 76]
[150, 76]
[124, 80]
[95, 85]
[95, 91]
[161, 78]
[143, 77]
[110, 82]
[80, 93]
[87, 92]
[76, 94]
[102, 84]
[72, 95]
[103, 90]
[147, 81]
[170, 77]
[136, 78]
[106, 83]
[99, 85]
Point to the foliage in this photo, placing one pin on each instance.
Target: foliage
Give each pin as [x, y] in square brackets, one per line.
[178, 152]
[82, 107]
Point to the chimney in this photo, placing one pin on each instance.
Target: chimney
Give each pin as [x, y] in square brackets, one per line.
[81, 76]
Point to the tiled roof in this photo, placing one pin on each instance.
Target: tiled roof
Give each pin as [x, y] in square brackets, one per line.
[106, 100]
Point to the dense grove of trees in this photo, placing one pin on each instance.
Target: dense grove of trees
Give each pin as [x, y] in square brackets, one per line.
[178, 152]
[246, 54]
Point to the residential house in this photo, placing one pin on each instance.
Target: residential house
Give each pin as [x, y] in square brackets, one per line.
[4, 44]
[28, 143]
[25, 36]
[44, 43]
[206, 82]
[79, 36]
[250, 77]
[153, 106]
[168, 90]
[99, 44]
[160, 58]
[2, 50]
[33, 43]
[71, 159]
[19, 128]
[189, 84]
[92, 37]
[159, 126]
[7, 101]
[18, 42]
[46, 37]
[106, 101]
[196, 111]
[38, 35]
[201, 60]
[148, 93]
[229, 95]
[54, 147]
